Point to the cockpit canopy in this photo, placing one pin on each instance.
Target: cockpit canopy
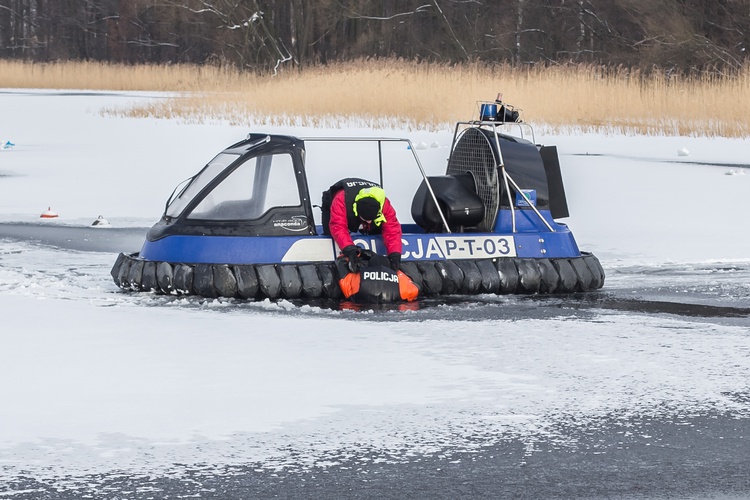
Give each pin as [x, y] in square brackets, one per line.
[256, 187]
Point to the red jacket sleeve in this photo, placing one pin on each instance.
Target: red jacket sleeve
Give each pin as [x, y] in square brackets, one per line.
[391, 229]
[339, 224]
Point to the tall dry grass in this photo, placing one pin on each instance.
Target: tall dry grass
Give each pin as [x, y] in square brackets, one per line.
[398, 93]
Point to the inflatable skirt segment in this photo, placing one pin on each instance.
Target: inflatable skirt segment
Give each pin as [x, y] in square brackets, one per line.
[321, 280]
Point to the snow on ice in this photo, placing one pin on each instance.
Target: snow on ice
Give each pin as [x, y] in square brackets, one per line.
[93, 379]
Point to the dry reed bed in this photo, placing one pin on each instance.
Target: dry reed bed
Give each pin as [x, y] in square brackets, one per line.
[397, 93]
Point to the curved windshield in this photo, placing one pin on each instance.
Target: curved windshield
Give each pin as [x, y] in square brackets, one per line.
[252, 189]
[214, 168]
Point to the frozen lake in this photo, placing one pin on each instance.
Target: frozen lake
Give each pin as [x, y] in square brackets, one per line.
[600, 395]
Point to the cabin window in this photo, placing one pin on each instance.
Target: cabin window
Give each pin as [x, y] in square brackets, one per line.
[186, 194]
[253, 188]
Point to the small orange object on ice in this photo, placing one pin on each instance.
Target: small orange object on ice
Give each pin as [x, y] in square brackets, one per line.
[49, 214]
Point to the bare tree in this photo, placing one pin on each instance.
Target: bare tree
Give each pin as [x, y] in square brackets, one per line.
[519, 29]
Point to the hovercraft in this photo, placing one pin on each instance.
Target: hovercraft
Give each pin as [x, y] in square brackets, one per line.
[245, 226]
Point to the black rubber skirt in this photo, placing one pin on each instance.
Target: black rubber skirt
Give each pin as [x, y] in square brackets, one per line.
[320, 280]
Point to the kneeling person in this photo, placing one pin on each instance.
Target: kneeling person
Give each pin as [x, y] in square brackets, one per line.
[375, 282]
[361, 206]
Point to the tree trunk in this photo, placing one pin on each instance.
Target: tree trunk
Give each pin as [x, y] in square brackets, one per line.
[519, 27]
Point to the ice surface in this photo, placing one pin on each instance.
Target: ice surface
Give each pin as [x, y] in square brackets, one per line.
[93, 379]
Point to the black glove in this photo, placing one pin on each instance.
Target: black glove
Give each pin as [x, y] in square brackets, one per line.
[351, 252]
[395, 259]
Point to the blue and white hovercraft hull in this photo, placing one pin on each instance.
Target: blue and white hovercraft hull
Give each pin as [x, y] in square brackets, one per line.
[303, 267]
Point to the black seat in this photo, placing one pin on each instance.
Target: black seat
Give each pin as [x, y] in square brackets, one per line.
[458, 200]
